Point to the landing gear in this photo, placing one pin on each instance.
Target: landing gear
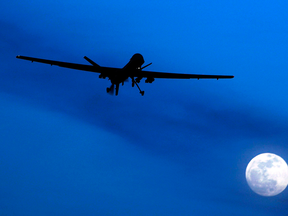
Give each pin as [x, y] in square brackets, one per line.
[110, 90]
[133, 82]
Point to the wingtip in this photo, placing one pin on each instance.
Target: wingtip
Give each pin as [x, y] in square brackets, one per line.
[18, 56]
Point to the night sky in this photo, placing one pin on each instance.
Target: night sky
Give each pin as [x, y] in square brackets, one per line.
[69, 148]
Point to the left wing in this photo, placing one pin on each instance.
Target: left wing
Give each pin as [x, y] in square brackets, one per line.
[61, 64]
[90, 68]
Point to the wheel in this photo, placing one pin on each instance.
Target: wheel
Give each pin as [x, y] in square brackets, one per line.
[142, 93]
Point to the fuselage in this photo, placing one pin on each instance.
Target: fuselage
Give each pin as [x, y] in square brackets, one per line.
[134, 64]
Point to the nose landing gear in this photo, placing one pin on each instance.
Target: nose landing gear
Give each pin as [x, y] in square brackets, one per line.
[133, 82]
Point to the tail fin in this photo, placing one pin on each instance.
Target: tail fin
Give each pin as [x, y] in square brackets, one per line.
[91, 62]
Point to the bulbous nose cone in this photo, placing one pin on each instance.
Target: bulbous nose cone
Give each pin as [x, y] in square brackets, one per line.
[138, 59]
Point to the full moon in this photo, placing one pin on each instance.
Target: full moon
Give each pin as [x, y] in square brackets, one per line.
[267, 174]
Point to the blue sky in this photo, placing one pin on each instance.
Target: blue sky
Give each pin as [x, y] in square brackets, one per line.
[68, 148]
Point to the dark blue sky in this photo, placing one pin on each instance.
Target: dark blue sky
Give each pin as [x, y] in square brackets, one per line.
[68, 148]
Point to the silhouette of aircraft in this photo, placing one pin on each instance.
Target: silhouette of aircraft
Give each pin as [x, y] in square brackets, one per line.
[133, 69]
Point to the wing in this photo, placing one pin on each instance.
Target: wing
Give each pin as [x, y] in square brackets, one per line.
[91, 68]
[151, 74]
[108, 71]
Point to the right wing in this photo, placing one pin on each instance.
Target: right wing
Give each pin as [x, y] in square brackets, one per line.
[152, 74]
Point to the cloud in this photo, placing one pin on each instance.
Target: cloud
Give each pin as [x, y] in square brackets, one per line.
[138, 119]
